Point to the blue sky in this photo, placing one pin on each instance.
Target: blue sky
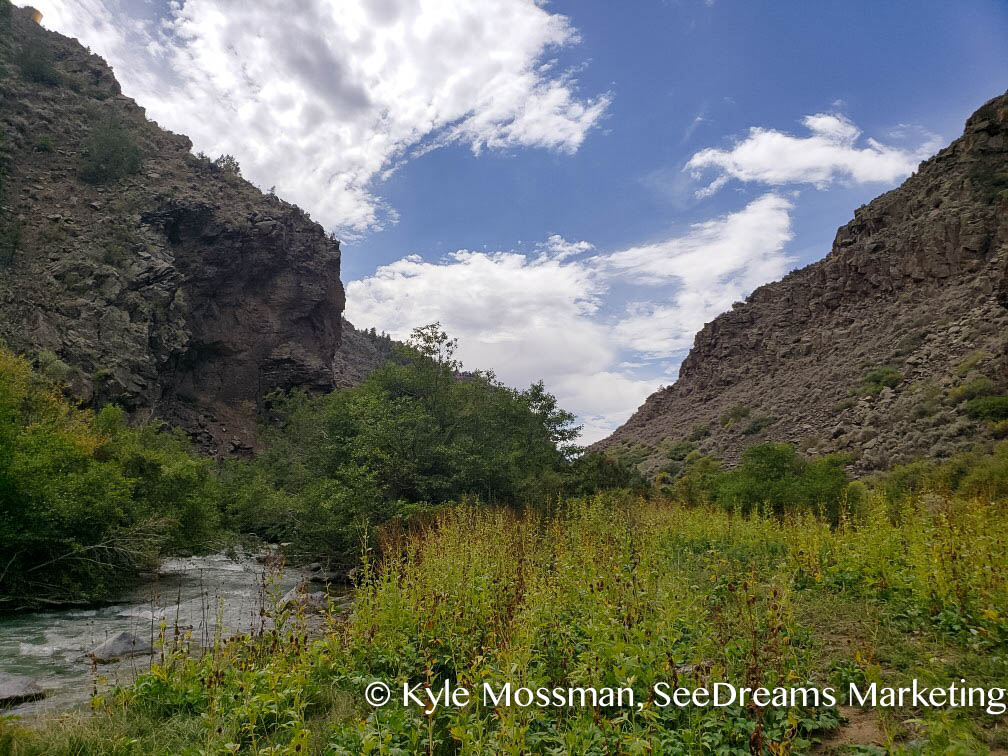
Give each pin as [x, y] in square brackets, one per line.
[571, 188]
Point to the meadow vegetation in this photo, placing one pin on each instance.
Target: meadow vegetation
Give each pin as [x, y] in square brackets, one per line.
[611, 590]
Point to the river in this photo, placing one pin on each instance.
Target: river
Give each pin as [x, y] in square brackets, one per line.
[209, 594]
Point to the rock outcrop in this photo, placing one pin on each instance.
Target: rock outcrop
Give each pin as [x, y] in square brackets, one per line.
[915, 289]
[122, 645]
[15, 690]
[181, 290]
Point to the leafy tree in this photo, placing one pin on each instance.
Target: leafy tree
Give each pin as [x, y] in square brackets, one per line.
[86, 502]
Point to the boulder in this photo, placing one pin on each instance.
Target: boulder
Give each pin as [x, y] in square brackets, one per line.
[120, 646]
[316, 601]
[15, 690]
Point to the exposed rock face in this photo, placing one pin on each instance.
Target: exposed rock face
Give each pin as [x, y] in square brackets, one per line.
[180, 291]
[917, 282]
[360, 354]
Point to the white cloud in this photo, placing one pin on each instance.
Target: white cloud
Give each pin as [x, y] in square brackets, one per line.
[322, 97]
[546, 315]
[714, 265]
[830, 153]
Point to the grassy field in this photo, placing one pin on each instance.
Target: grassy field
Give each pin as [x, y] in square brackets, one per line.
[612, 591]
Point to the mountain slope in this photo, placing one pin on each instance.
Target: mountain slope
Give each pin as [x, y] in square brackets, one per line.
[869, 350]
[178, 289]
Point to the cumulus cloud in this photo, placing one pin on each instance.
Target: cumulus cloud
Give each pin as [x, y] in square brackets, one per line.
[321, 98]
[830, 153]
[547, 315]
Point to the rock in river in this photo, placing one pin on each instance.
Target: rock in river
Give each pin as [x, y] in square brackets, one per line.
[120, 646]
[15, 690]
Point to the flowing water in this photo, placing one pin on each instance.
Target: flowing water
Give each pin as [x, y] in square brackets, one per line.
[211, 594]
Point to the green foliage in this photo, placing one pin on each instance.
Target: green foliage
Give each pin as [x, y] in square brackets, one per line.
[972, 361]
[993, 408]
[965, 475]
[227, 164]
[698, 432]
[36, 65]
[44, 144]
[110, 154]
[611, 591]
[412, 436]
[878, 378]
[733, 415]
[772, 478]
[758, 424]
[980, 386]
[679, 450]
[86, 502]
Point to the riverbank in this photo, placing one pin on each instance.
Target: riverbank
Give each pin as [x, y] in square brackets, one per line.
[201, 598]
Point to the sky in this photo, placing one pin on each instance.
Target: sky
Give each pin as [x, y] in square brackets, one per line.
[572, 188]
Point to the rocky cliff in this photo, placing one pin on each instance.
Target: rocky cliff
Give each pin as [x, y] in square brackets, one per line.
[873, 350]
[170, 286]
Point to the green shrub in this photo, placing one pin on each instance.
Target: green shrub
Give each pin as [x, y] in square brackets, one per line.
[772, 477]
[758, 424]
[980, 386]
[698, 432]
[110, 153]
[1000, 429]
[678, 450]
[776, 477]
[878, 378]
[994, 408]
[972, 361]
[44, 144]
[85, 502]
[227, 164]
[733, 415]
[36, 66]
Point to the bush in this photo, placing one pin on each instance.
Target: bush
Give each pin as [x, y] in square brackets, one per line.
[994, 408]
[44, 144]
[698, 432]
[36, 66]
[878, 378]
[85, 502]
[733, 415]
[109, 154]
[770, 476]
[677, 451]
[971, 362]
[227, 164]
[981, 386]
[758, 425]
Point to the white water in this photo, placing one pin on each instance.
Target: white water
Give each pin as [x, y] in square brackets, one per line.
[208, 594]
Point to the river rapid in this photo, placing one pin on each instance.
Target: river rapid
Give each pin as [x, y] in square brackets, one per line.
[209, 595]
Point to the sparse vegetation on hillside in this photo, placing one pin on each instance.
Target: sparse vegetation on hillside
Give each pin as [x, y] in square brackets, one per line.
[35, 65]
[110, 154]
[993, 408]
[879, 378]
[10, 227]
